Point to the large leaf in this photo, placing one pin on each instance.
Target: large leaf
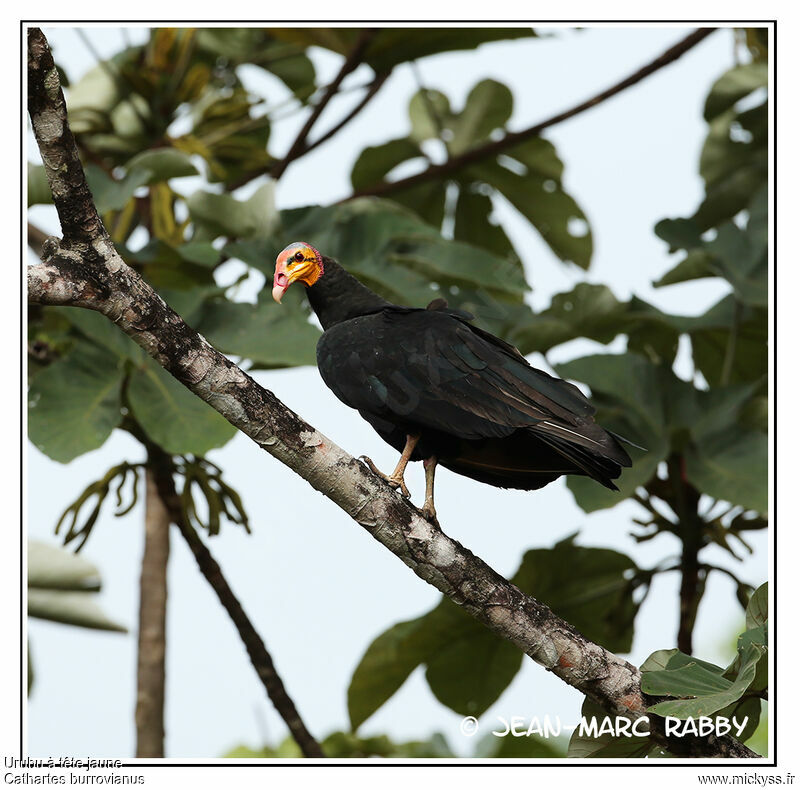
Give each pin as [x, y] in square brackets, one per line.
[731, 465]
[172, 416]
[734, 85]
[62, 587]
[225, 215]
[376, 161]
[110, 194]
[270, 335]
[74, 403]
[393, 45]
[596, 596]
[163, 164]
[529, 178]
[708, 690]
[54, 568]
[70, 608]
[756, 614]
[102, 331]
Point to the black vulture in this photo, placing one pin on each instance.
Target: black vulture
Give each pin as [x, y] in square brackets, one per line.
[441, 390]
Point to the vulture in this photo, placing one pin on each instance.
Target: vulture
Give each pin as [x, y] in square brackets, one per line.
[441, 390]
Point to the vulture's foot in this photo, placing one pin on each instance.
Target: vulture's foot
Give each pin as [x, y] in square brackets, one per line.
[394, 481]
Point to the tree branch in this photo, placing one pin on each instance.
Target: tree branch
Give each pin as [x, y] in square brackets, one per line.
[514, 138]
[351, 62]
[100, 280]
[372, 89]
[150, 670]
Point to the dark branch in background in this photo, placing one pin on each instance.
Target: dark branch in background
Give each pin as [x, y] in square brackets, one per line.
[100, 280]
[352, 61]
[690, 531]
[36, 237]
[481, 152]
[162, 469]
[372, 89]
[150, 670]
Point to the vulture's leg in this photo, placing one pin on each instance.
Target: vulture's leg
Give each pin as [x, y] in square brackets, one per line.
[395, 480]
[428, 510]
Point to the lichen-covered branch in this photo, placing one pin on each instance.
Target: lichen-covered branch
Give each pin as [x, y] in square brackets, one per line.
[100, 280]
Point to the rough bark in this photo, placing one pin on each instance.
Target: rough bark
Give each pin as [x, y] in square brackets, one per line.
[150, 670]
[97, 278]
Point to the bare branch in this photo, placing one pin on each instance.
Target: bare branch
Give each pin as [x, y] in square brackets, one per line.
[491, 149]
[372, 89]
[351, 62]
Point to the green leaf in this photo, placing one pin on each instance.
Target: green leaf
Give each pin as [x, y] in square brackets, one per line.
[587, 310]
[734, 168]
[731, 466]
[271, 335]
[112, 195]
[162, 164]
[172, 416]
[734, 85]
[200, 252]
[756, 613]
[384, 667]
[426, 110]
[38, 188]
[470, 666]
[711, 692]
[74, 403]
[596, 596]
[528, 176]
[99, 329]
[658, 660]
[394, 45]
[54, 568]
[70, 608]
[375, 161]
[226, 216]
[488, 107]
[473, 224]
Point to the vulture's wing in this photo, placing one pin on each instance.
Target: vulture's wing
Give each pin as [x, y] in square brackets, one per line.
[432, 369]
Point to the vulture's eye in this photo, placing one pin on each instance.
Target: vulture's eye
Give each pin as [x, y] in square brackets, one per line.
[298, 257]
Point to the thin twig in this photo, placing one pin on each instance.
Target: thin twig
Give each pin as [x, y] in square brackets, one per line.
[514, 138]
[36, 237]
[374, 87]
[351, 62]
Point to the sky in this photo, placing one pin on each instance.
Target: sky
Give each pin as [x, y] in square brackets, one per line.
[318, 588]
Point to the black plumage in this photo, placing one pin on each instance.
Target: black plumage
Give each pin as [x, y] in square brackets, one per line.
[474, 402]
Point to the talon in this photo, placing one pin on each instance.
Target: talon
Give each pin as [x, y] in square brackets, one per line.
[429, 512]
[401, 484]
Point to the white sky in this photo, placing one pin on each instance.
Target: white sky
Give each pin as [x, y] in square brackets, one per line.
[318, 588]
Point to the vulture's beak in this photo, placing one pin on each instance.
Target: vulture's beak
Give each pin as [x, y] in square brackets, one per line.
[281, 281]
